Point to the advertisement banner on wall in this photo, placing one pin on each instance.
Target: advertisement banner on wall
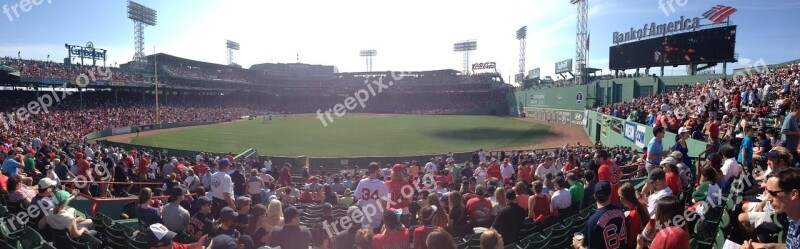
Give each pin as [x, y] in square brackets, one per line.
[635, 133]
[120, 131]
[571, 117]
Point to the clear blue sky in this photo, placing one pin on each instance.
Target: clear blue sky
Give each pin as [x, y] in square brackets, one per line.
[409, 35]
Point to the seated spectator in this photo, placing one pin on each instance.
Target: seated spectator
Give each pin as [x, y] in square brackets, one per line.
[347, 238]
[606, 225]
[522, 194]
[479, 209]
[708, 194]
[292, 235]
[457, 217]
[64, 218]
[561, 198]
[227, 219]
[393, 234]
[242, 213]
[175, 217]
[158, 236]
[666, 233]
[657, 183]
[672, 178]
[637, 216]
[509, 220]
[440, 239]
[145, 212]
[17, 192]
[347, 198]
[539, 203]
[575, 188]
[426, 216]
[490, 239]
[364, 238]
[201, 224]
[498, 204]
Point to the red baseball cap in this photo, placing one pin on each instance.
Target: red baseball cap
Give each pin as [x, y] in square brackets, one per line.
[671, 238]
[398, 168]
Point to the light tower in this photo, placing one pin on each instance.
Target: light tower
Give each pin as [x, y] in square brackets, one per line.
[465, 47]
[581, 40]
[231, 45]
[368, 54]
[521, 34]
[142, 16]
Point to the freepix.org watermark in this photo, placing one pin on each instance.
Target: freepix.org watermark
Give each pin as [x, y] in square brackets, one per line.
[12, 12]
[663, 4]
[42, 104]
[359, 98]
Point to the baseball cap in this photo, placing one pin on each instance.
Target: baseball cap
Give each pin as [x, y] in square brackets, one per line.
[779, 152]
[227, 214]
[241, 201]
[203, 200]
[511, 195]
[602, 189]
[46, 183]
[327, 207]
[221, 163]
[290, 213]
[656, 174]
[682, 130]
[676, 154]
[397, 168]
[61, 196]
[668, 160]
[224, 241]
[158, 234]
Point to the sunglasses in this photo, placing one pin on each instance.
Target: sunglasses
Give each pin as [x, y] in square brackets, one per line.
[774, 193]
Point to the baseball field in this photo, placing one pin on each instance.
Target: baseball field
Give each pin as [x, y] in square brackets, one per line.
[354, 135]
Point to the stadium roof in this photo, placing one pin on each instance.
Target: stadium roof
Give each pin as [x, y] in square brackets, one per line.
[187, 62]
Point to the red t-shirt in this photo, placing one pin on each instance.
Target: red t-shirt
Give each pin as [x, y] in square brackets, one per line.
[523, 204]
[143, 166]
[674, 183]
[421, 235]
[200, 169]
[713, 128]
[396, 239]
[611, 173]
[84, 166]
[541, 208]
[671, 238]
[480, 210]
[176, 245]
[525, 174]
[396, 194]
[4, 181]
[633, 222]
[494, 171]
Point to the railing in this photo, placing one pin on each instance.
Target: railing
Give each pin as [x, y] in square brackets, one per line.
[699, 162]
[96, 201]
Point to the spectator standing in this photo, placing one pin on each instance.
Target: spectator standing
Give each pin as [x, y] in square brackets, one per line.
[606, 227]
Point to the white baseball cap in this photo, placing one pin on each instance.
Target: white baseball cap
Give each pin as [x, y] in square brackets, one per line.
[46, 183]
[682, 130]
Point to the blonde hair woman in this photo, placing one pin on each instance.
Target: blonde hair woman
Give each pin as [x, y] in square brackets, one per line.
[490, 239]
[274, 215]
[499, 201]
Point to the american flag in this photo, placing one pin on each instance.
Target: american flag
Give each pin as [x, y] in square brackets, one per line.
[719, 13]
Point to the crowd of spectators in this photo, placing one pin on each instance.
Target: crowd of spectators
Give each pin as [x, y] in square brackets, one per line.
[54, 70]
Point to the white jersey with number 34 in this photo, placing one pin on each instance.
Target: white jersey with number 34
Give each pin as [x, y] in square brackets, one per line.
[368, 193]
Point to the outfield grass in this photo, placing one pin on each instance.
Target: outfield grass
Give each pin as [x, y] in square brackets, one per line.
[401, 135]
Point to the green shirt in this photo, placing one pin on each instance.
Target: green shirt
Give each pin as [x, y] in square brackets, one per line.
[456, 173]
[576, 191]
[29, 163]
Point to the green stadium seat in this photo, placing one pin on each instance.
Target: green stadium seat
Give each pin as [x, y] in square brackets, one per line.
[4, 244]
[78, 244]
[30, 238]
[46, 246]
[61, 238]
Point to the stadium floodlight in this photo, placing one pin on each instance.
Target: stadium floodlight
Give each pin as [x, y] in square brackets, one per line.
[368, 54]
[142, 16]
[581, 40]
[521, 34]
[464, 47]
[231, 45]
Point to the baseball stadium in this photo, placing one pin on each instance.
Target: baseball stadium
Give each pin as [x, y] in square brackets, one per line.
[676, 138]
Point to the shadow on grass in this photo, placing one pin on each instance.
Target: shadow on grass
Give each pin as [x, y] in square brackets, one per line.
[492, 134]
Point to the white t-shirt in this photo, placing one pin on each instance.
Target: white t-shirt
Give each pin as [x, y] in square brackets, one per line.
[730, 169]
[368, 193]
[430, 168]
[561, 199]
[268, 165]
[481, 174]
[198, 158]
[220, 184]
[482, 156]
[506, 170]
[541, 171]
[652, 200]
